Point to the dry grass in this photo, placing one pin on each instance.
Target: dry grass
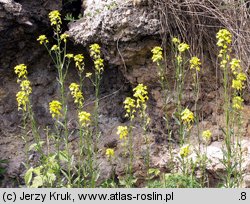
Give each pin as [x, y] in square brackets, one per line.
[197, 21]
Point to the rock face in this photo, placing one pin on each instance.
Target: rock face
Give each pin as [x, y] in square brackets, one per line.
[20, 24]
[127, 34]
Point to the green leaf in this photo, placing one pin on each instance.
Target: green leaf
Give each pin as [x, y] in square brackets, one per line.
[65, 174]
[3, 161]
[60, 123]
[32, 146]
[156, 172]
[28, 176]
[176, 119]
[35, 146]
[51, 177]
[63, 156]
[37, 170]
[37, 182]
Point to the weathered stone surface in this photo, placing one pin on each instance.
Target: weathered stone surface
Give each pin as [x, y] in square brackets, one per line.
[127, 34]
[110, 21]
[20, 24]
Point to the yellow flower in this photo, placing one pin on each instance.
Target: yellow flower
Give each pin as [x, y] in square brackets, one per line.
[206, 135]
[79, 62]
[55, 108]
[241, 77]
[141, 94]
[42, 39]
[237, 84]
[176, 40]
[187, 116]
[235, 66]
[95, 50]
[185, 151]
[88, 75]
[195, 63]
[238, 103]
[179, 59]
[157, 54]
[84, 118]
[76, 94]
[129, 105]
[69, 56]
[224, 38]
[54, 48]
[122, 131]
[99, 64]
[25, 86]
[110, 153]
[223, 64]
[21, 71]
[95, 53]
[183, 47]
[55, 18]
[22, 99]
[64, 37]
[78, 58]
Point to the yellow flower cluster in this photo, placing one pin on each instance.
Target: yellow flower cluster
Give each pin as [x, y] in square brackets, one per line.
[238, 103]
[185, 151]
[138, 102]
[88, 74]
[195, 63]
[129, 105]
[76, 94]
[224, 62]
[110, 153]
[99, 65]
[55, 108]
[22, 96]
[157, 54]
[182, 47]
[187, 116]
[84, 118]
[95, 50]
[239, 76]
[122, 131]
[224, 38]
[69, 56]
[79, 62]
[22, 100]
[95, 53]
[25, 86]
[21, 71]
[64, 37]
[235, 66]
[55, 18]
[42, 39]
[206, 135]
[179, 59]
[54, 48]
[176, 40]
[141, 95]
[237, 85]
